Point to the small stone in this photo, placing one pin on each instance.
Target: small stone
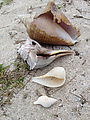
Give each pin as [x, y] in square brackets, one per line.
[60, 105]
[25, 96]
[12, 33]
[76, 53]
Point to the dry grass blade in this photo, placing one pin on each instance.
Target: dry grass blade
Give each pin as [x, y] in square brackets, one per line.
[81, 97]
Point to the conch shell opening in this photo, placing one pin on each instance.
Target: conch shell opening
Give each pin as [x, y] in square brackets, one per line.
[52, 27]
[54, 78]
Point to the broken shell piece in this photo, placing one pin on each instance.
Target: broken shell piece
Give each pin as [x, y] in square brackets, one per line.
[37, 56]
[45, 101]
[52, 27]
[54, 78]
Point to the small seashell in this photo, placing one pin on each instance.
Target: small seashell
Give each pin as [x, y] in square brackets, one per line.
[54, 78]
[45, 101]
[38, 56]
[51, 27]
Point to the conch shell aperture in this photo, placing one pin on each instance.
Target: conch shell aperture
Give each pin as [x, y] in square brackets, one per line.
[37, 56]
[51, 27]
[54, 78]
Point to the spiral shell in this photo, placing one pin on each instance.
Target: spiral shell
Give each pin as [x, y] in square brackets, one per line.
[45, 101]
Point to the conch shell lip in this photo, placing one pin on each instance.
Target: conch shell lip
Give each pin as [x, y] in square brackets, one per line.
[55, 52]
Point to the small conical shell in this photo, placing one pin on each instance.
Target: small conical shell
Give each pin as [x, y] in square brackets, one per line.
[52, 27]
[54, 78]
[45, 101]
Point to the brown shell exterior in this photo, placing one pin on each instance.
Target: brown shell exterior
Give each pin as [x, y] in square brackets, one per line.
[59, 18]
[43, 37]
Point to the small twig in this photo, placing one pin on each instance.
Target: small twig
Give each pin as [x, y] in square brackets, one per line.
[47, 91]
[84, 62]
[82, 99]
[80, 16]
[79, 10]
[70, 80]
[38, 93]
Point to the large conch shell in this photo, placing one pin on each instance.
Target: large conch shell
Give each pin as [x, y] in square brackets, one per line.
[54, 78]
[51, 27]
[38, 56]
[45, 101]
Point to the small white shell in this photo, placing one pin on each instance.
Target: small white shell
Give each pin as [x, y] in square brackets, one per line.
[54, 78]
[45, 101]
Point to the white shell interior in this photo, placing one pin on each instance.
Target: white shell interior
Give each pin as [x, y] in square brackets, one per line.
[54, 78]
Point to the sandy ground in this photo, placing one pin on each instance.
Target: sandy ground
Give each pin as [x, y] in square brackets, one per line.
[77, 66]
